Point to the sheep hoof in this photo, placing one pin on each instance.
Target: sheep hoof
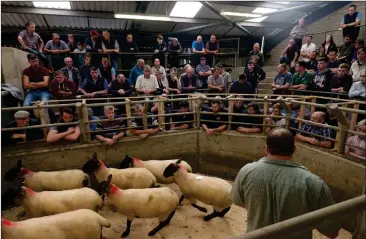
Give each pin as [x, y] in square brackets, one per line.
[125, 234]
[152, 233]
[207, 218]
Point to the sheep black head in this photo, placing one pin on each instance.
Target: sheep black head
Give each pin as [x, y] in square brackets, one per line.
[172, 168]
[12, 197]
[105, 186]
[15, 173]
[126, 163]
[92, 165]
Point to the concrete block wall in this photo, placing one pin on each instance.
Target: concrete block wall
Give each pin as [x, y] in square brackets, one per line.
[327, 23]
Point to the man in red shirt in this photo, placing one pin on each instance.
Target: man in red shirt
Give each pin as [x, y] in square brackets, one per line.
[62, 87]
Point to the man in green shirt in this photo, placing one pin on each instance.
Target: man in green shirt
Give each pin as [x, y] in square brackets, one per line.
[276, 188]
[256, 52]
[301, 79]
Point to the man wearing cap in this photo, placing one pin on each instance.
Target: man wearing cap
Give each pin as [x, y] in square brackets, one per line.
[35, 80]
[203, 72]
[93, 44]
[57, 49]
[21, 119]
[66, 132]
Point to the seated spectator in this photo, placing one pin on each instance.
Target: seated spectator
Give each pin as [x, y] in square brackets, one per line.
[346, 51]
[94, 85]
[152, 124]
[327, 45]
[359, 43]
[110, 46]
[242, 86]
[342, 82]
[252, 125]
[63, 87]
[307, 49]
[57, 48]
[79, 58]
[21, 119]
[136, 71]
[179, 122]
[186, 67]
[358, 67]
[226, 76]
[188, 81]
[218, 123]
[275, 122]
[172, 83]
[94, 44]
[290, 54]
[198, 48]
[282, 81]
[66, 132]
[174, 48]
[120, 87]
[85, 69]
[317, 117]
[333, 63]
[160, 49]
[216, 83]
[71, 72]
[358, 88]
[301, 79]
[162, 89]
[356, 145]
[254, 73]
[157, 67]
[36, 81]
[203, 72]
[92, 126]
[129, 60]
[112, 134]
[106, 71]
[330, 119]
[313, 63]
[256, 52]
[147, 83]
[211, 48]
[323, 77]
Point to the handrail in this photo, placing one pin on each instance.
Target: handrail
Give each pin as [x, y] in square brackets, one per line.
[333, 30]
[143, 53]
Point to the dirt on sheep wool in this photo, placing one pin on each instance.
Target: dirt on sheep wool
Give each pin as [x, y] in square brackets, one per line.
[187, 223]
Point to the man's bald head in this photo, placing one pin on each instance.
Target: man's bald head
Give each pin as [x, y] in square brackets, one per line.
[280, 142]
[318, 117]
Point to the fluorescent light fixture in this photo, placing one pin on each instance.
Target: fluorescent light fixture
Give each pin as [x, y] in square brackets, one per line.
[257, 19]
[240, 14]
[264, 10]
[62, 5]
[142, 17]
[283, 2]
[186, 9]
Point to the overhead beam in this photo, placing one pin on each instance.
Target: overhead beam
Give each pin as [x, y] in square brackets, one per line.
[293, 8]
[199, 27]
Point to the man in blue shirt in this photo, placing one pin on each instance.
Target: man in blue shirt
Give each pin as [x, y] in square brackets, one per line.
[350, 23]
[198, 48]
[242, 86]
[136, 71]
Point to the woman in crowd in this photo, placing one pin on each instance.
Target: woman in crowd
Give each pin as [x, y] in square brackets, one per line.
[327, 46]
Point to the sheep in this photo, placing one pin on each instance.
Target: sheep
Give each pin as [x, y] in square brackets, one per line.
[80, 224]
[48, 181]
[142, 203]
[209, 190]
[156, 167]
[123, 178]
[46, 203]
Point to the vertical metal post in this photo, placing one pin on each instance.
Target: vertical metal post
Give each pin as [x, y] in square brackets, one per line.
[354, 116]
[265, 111]
[83, 117]
[161, 119]
[128, 112]
[43, 116]
[343, 127]
[144, 119]
[313, 100]
[302, 113]
[200, 99]
[230, 109]
[288, 110]
[166, 60]
[192, 104]
[262, 46]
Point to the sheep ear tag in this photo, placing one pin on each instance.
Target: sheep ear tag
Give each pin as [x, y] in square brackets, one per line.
[199, 177]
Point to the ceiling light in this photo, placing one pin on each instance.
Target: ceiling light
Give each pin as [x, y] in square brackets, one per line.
[257, 19]
[142, 17]
[283, 2]
[62, 5]
[264, 10]
[240, 14]
[186, 9]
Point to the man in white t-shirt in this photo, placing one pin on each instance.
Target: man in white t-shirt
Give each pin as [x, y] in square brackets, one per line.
[307, 48]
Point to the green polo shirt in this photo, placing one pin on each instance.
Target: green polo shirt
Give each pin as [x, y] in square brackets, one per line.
[305, 80]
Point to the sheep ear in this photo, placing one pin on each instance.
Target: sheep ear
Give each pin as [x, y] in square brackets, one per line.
[179, 161]
[110, 178]
[95, 156]
[19, 164]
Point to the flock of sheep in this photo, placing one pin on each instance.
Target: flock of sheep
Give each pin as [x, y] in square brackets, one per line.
[64, 204]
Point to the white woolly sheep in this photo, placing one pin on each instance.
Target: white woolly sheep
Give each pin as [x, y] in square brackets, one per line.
[209, 190]
[143, 203]
[80, 224]
[156, 167]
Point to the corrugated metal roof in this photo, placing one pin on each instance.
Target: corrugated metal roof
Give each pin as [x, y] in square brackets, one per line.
[160, 7]
[160, 27]
[18, 3]
[104, 6]
[19, 20]
[68, 22]
[113, 24]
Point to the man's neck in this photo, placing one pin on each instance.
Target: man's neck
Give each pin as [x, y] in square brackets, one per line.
[69, 67]
[308, 44]
[95, 79]
[324, 70]
[276, 157]
[301, 73]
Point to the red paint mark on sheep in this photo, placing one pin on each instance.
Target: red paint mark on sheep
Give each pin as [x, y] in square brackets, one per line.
[138, 161]
[182, 168]
[30, 191]
[102, 165]
[114, 189]
[7, 222]
[26, 171]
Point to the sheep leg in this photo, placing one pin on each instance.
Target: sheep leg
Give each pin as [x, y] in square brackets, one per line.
[212, 215]
[162, 224]
[181, 199]
[127, 232]
[202, 209]
[224, 211]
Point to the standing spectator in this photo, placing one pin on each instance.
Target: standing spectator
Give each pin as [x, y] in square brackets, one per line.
[359, 43]
[218, 123]
[157, 67]
[216, 83]
[313, 63]
[276, 188]
[254, 73]
[160, 49]
[342, 82]
[226, 76]
[71, 42]
[112, 134]
[36, 81]
[303, 136]
[212, 48]
[31, 42]
[57, 48]
[138, 125]
[242, 86]
[298, 33]
[79, 58]
[136, 71]
[146, 83]
[253, 124]
[94, 85]
[198, 49]
[120, 87]
[290, 54]
[172, 82]
[72, 72]
[21, 119]
[61, 86]
[129, 59]
[110, 46]
[301, 79]
[356, 145]
[174, 48]
[85, 69]
[358, 88]
[188, 81]
[203, 72]
[179, 122]
[66, 132]
[106, 71]
[282, 81]
[162, 89]
[350, 23]
[333, 63]
[323, 77]
[93, 44]
[358, 67]
[346, 51]
[256, 52]
[307, 48]
[327, 45]
[275, 122]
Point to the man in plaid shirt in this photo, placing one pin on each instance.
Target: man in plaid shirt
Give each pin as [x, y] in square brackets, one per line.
[324, 133]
